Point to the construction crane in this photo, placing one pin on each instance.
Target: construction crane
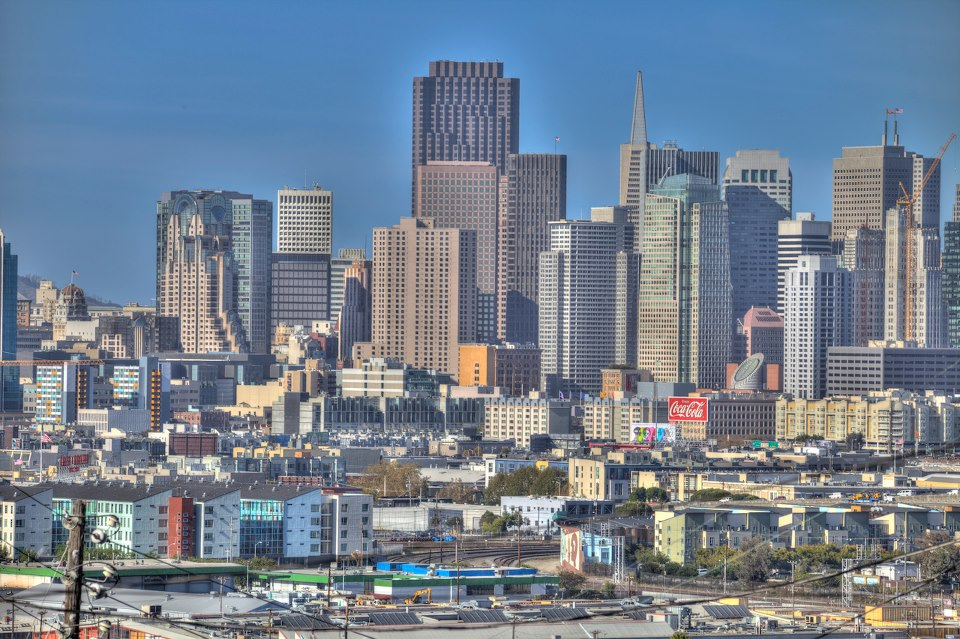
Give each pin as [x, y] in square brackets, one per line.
[908, 201]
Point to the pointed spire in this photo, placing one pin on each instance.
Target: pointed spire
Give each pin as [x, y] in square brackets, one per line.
[638, 130]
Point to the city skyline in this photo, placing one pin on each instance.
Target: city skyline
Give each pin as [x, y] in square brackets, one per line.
[98, 116]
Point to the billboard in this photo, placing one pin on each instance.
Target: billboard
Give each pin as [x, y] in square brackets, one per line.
[571, 548]
[652, 433]
[688, 409]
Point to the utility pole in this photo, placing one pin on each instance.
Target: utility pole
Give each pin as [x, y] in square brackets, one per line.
[74, 572]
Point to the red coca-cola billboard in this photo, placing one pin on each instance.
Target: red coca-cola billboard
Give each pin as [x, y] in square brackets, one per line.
[687, 409]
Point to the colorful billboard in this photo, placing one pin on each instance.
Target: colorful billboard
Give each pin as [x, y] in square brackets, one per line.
[688, 409]
[652, 433]
[571, 548]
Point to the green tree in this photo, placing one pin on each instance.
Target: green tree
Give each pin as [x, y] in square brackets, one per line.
[392, 479]
[658, 495]
[855, 441]
[633, 509]
[457, 492]
[570, 582]
[753, 563]
[609, 589]
[525, 481]
[710, 494]
[942, 565]
[679, 634]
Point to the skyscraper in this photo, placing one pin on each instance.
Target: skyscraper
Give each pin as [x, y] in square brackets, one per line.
[758, 190]
[252, 243]
[355, 312]
[864, 255]
[10, 393]
[816, 317]
[633, 159]
[304, 220]
[299, 289]
[866, 184]
[951, 273]
[925, 321]
[465, 111]
[424, 294]
[213, 268]
[533, 193]
[463, 195]
[684, 317]
[802, 236]
[577, 306]
[344, 259]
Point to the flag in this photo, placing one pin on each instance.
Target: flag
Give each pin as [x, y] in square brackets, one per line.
[556, 139]
[18, 462]
[75, 273]
[897, 111]
[45, 438]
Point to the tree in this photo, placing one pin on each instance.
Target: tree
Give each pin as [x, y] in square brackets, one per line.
[679, 634]
[457, 492]
[392, 479]
[753, 563]
[570, 582]
[855, 441]
[455, 524]
[609, 589]
[710, 494]
[942, 565]
[658, 495]
[525, 481]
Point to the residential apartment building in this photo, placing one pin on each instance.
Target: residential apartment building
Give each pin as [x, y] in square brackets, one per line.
[610, 418]
[518, 418]
[424, 293]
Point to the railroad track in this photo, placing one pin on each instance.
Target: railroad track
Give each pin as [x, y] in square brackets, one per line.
[502, 552]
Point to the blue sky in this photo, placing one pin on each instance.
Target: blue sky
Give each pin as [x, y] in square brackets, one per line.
[104, 105]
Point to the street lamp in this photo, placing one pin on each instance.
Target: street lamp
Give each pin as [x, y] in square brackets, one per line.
[255, 546]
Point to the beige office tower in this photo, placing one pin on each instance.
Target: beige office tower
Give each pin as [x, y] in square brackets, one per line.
[925, 321]
[463, 195]
[47, 300]
[866, 184]
[424, 294]
[863, 255]
[197, 285]
[305, 220]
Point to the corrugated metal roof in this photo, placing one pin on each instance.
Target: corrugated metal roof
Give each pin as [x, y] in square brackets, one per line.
[482, 616]
[728, 612]
[563, 614]
[394, 619]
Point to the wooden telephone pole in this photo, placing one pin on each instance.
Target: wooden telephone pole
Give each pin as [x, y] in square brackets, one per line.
[74, 572]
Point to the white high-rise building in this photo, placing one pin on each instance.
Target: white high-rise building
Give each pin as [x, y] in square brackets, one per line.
[577, 302]
[816, 317]
[802, 236]
[305, 220]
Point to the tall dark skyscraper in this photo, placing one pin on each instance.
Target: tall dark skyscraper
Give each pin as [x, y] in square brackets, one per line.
[10, 396]
[758, 190]
[951, 274]
[533, 193]
[465, 111]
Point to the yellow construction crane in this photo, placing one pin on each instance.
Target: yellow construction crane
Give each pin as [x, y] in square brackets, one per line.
[908, 201]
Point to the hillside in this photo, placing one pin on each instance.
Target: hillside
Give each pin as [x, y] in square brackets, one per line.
[27, 286]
